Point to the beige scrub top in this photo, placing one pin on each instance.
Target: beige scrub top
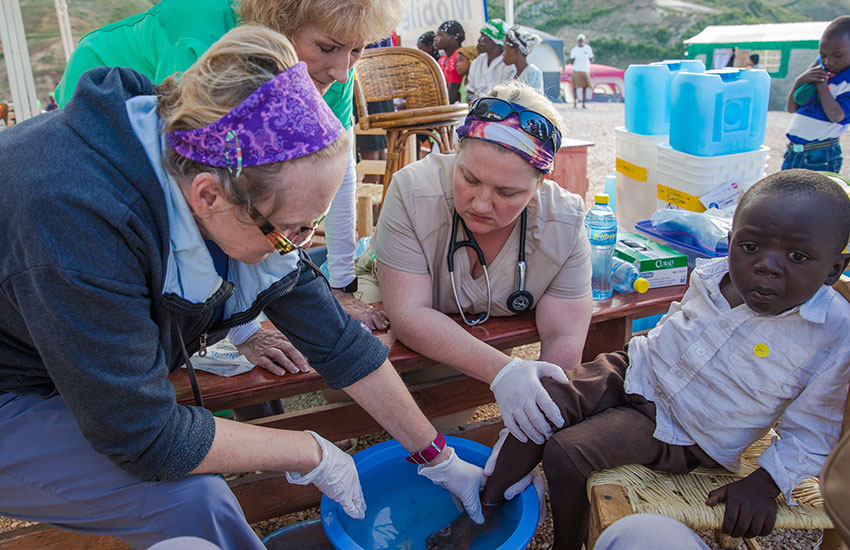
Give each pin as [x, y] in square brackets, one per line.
[413, 236]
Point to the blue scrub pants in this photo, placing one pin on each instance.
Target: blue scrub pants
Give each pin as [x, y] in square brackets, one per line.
[50, 474]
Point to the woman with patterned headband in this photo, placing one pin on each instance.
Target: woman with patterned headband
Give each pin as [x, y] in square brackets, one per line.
[518, 46]
[483, 232]
[328, 36]
[149, 235]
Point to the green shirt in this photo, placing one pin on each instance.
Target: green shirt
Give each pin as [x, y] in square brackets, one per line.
[166, 39]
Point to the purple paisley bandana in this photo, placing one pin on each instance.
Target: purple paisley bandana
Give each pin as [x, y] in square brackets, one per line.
[283, 119]
[509, 135]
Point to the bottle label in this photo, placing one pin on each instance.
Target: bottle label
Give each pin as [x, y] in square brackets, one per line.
[602, 237]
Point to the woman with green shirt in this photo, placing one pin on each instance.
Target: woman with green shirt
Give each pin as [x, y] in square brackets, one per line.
[328, 36]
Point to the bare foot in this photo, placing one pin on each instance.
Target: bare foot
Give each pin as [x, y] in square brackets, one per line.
[462, 532]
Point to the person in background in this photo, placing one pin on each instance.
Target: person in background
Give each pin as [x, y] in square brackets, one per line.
[753, 61]
[820, 101]
[51, 103]
[518, 46]
[465, 56]
[426, 44]
[111, 279]
[449, 38]
[581, 56]
[488, 69]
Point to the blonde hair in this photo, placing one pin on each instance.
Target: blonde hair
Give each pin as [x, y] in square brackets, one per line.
[358, 21]
[228, 72]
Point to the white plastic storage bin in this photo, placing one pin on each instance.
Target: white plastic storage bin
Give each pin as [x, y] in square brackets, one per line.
[636, 177]
[684, 178]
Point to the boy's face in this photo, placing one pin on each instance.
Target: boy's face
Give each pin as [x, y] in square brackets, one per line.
[780, 253]
[835, 53]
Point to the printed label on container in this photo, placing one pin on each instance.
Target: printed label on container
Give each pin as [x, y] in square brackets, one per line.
[631, 170]
[602, 237]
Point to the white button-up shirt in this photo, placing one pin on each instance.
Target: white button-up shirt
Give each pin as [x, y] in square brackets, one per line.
[721, 377]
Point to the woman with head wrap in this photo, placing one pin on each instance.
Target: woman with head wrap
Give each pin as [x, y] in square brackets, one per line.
[449, 38]
[167, 216]
[328, 35]
[518, 46]
[488, 69]
[531, 252]
[426, 44]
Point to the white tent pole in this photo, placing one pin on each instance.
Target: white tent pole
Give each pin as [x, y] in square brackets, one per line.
[64, 27]
[17, 60]
[509, 12]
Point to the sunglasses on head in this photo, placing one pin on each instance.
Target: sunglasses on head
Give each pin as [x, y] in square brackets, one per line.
[277, 239]
[531, 122]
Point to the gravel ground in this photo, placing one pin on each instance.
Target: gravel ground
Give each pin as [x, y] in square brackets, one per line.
[596, 124]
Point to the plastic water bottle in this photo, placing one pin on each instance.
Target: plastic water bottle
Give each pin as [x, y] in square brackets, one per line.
[601, 225]
[626, 278]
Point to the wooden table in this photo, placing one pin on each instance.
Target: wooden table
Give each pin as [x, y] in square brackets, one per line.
[267, 495]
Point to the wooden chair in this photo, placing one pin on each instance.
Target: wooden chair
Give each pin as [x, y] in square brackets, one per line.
[633, 489]
[409, 74]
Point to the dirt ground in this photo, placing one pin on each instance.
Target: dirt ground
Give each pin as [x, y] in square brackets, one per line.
[596, 124]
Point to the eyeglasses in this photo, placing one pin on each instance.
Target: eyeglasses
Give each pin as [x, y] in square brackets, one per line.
[531, 122]
[277, 239]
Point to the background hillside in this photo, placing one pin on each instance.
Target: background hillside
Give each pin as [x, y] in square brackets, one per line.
[621, 31]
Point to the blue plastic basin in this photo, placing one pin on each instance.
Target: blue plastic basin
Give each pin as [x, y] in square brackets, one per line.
[404, 507]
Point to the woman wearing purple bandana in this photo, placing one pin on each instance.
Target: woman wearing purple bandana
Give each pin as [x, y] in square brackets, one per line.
[531, 238]
[163, 220]
[329, 36]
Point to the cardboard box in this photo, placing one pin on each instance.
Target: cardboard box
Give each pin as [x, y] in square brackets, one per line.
[658, 264]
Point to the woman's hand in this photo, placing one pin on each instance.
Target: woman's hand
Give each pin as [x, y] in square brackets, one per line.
[336, 477]
[524, 403]
[462, 479]
[368, 315]
[270, 349]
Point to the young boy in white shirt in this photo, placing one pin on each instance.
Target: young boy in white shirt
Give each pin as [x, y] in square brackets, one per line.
[757, 337]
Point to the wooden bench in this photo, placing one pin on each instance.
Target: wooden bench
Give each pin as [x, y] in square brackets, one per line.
[267, 495]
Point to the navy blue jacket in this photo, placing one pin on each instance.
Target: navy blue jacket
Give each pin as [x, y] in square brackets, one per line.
[84, 232]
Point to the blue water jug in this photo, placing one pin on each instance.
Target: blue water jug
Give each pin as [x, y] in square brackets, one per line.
[719, 112]
[647, 90]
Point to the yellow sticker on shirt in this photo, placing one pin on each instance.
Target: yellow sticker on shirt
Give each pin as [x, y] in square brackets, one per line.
[761, 350]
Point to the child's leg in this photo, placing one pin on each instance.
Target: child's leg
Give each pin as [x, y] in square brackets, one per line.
[617, 436]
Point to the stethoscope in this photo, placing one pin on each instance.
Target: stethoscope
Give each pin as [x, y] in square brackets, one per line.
[520, 300]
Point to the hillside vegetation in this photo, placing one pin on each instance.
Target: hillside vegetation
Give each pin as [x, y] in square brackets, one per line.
[620, 31]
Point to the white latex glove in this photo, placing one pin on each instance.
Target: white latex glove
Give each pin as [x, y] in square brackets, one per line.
[462, 479]
[533, 477]
[336, 477]
[523, 401]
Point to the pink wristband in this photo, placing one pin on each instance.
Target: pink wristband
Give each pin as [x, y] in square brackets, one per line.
[430, 452]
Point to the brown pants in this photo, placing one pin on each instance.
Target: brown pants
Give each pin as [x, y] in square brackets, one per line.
[605, 427]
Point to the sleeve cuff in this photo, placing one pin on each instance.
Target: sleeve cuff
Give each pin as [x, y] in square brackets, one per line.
[785, 480]
[238, 335]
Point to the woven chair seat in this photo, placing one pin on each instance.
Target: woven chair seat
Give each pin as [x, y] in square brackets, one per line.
[682, 497]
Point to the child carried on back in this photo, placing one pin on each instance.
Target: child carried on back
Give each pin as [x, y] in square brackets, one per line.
[757, 337]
